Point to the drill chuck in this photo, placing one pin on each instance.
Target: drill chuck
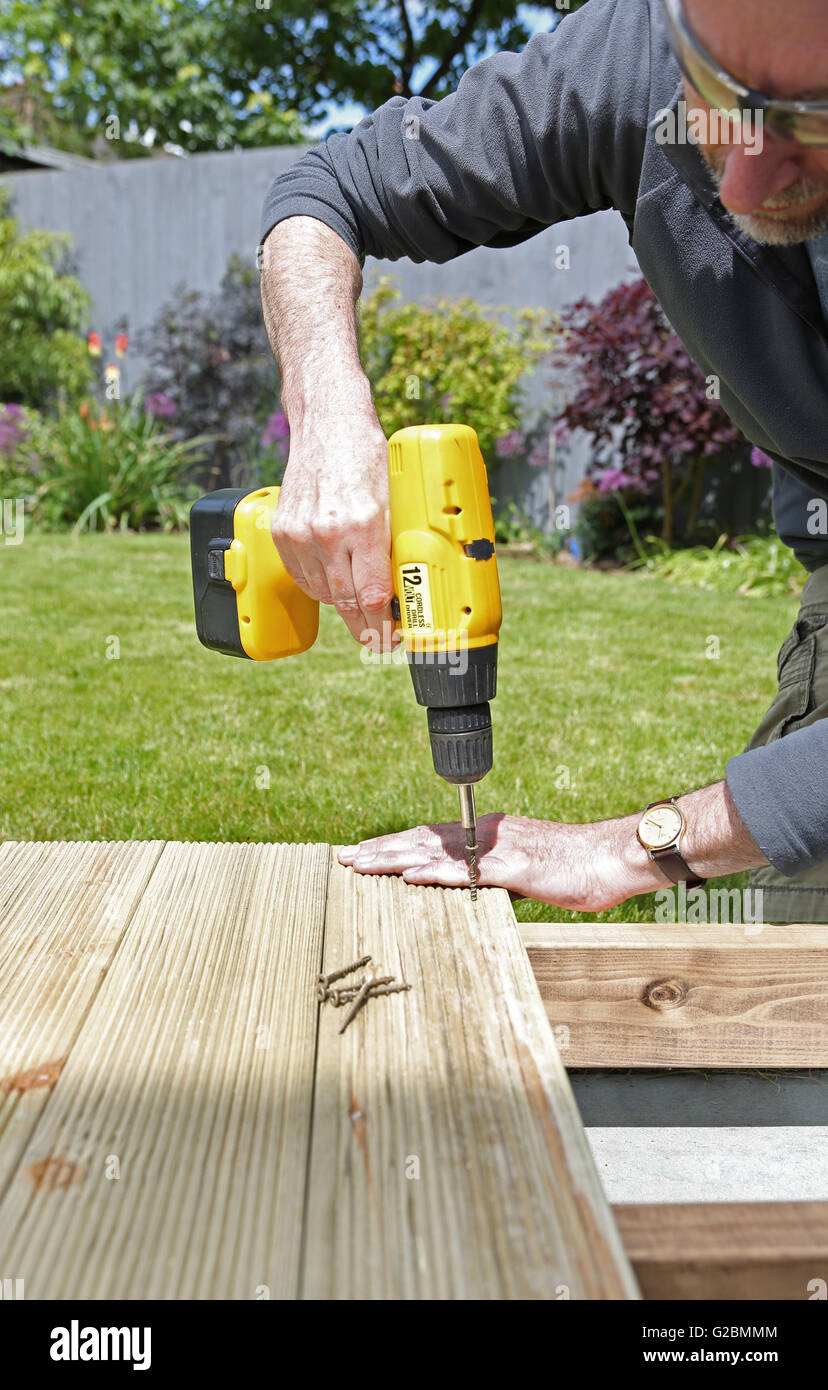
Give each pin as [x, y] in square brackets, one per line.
[456, 688]
[461, 742]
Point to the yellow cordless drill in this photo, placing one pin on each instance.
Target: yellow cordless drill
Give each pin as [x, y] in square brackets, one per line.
[447, 594]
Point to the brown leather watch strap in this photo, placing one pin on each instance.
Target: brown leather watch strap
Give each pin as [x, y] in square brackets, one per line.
[676, 869]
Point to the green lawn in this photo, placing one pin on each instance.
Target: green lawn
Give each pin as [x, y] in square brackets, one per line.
[602, 674]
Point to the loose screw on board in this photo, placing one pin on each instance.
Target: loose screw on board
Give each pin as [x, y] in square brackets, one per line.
[362, 996]
[337, 997]
[397, 988]
[357, 991]
[325, 980]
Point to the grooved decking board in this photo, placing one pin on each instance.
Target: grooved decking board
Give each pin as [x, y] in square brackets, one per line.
[193, 1071]
[448, 1159]
[63, 910]
[651, 995]
[729, 1250]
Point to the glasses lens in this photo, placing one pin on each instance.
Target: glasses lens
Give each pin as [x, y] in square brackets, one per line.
[810, 129]
[710, 86]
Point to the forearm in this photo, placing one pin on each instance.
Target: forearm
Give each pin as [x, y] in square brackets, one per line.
[310, 282]
[585, 868]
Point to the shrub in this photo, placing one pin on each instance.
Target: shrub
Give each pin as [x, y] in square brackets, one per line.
[92, 468]
[757, 566]
[42, 309]
[654, 419]
[452, 360]
[211, 371]
[17, 459]
[610, 524]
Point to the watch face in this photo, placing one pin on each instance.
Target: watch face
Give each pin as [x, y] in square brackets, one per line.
[659, 827]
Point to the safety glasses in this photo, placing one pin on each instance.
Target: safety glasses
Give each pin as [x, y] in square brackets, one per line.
[804, 121]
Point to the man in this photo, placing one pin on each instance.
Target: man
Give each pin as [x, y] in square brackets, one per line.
[732, 234]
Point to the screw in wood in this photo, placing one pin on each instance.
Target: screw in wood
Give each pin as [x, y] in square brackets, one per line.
[325, 980]
[362, 996]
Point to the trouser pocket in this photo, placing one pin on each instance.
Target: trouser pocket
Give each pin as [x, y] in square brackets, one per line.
[802, 698]
[802, 669]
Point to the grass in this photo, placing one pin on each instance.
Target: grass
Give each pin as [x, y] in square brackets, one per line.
[604, 675]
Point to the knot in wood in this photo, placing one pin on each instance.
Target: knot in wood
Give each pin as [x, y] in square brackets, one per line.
[664, 994]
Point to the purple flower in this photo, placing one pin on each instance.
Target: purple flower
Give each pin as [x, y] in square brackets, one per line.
[509, 444]
[12, 428]
[276, 429]
[613, 478]
[162, 406]
[538, 456]
[760, 460]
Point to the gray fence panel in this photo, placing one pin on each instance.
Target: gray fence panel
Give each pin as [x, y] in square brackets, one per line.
[142, 227]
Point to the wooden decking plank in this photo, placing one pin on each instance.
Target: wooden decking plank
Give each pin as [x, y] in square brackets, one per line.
[447, 1157]
[64, 907]
[191, 1079]
[653, 995]
[728, 1250]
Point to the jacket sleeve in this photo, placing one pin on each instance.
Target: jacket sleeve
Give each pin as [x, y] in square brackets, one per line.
[527, 139]
[781, 793]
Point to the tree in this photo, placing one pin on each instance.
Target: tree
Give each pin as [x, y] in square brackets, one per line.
[139, 74]
[211, 74]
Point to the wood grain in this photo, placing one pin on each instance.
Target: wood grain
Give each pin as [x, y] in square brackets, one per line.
[448, 1159]
[652, 995]
[191, 1078]
[63, 911]
[728, 1250]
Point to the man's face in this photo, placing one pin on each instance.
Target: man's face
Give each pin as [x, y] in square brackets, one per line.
[780, 194]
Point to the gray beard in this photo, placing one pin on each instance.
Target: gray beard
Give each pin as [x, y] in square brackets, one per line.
[790, 232]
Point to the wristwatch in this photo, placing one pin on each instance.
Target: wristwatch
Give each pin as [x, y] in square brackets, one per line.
[660, 831]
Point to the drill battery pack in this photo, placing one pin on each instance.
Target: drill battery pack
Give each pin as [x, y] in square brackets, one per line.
[246, 603]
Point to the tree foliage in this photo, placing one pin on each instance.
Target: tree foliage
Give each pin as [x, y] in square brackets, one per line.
[212, 74]
[145, 73]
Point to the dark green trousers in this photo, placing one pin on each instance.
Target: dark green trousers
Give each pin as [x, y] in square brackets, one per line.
[802, 699]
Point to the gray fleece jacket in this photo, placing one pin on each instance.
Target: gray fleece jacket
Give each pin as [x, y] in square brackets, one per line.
[565, 128]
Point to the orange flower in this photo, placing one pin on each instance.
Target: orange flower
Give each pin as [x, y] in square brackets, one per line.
[94, 341]
[83, 409]
[121, 345]
[583, 492]
[111, 372]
